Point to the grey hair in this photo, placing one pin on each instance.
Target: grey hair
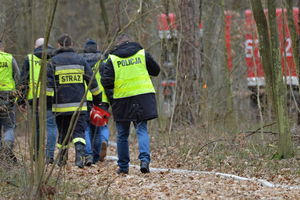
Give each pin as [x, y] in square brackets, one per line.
[124, 37]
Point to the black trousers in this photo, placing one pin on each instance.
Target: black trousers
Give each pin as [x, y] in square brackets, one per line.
[63, 123]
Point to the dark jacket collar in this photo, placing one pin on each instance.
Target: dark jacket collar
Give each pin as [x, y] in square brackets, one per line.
[126, 49]
[63, 50]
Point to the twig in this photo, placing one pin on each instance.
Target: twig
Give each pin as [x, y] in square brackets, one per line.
[255, 131]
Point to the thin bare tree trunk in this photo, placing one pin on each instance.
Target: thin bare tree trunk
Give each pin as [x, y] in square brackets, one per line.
[39, 171]
[269, 49]
[104, 16]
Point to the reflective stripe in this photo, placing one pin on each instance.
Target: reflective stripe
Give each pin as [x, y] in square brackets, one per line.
[69, 107]
[95, 91]
[64, 67]
[75, 140]
[50, 92]
[67, 69]
[60, 146]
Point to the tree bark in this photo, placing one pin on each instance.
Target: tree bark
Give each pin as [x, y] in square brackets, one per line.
[188, 69]
[269, 50]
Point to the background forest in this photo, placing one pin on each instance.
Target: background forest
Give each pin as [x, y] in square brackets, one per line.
[210, 117]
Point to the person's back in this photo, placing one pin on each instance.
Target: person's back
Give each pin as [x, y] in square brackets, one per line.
[68, 74]
[9, 77]
[126, 79]
[96, 137]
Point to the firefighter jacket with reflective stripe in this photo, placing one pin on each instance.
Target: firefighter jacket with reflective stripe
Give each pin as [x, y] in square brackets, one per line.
[98, 79]
[7, 82]
[131, 75]
[67, 75]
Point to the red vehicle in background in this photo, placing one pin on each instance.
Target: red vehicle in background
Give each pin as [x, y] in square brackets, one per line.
[255, 74]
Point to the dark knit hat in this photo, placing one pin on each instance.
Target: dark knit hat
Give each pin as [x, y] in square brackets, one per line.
[90, 46]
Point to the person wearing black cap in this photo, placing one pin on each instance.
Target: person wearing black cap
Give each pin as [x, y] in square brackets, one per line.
[29, 79]
[9, 79]
[96, 137]
[68, 74]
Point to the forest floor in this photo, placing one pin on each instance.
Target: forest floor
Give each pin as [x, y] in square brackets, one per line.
[174, 176]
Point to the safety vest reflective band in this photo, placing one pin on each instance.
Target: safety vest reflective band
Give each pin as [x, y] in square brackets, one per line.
[34, 73]
[131, 75]
[89, 96]
[7, 82]
[50, 92]
[75, 140]
[60, 146]
[69, 107]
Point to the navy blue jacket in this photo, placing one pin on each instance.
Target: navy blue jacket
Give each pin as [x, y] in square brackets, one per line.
[70, 93]
[135, 108]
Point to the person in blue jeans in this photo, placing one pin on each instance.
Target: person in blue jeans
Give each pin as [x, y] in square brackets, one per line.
[126, 80]
[28, 79]
[9, 80]
[96, 142]
[51, 137]
[96, 137]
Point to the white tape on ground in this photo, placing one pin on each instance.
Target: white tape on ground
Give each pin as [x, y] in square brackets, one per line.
[184, 171]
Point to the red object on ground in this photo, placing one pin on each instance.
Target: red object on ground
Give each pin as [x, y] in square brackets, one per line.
[98, 116]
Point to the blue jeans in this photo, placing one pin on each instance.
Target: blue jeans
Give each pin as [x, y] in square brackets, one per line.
[51, 133]
[94, 136]
[7, 124]
[122, 143]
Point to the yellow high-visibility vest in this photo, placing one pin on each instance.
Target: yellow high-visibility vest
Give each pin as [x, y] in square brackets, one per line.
[7, 82]
[34, 73]
[89, 96]
[131, 75]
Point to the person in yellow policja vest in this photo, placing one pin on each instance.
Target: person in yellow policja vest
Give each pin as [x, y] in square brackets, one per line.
[9, 79]
[126, 80]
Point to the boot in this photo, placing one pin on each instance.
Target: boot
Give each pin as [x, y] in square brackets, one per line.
[103, 151]
[89, 160]
[63, 157]
[79, 157]
[144, 167]
[8, 152]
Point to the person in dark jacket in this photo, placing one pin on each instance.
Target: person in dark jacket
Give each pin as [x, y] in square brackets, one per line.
[68, 76]
[29, 79]
[128, 72]
[96, 137]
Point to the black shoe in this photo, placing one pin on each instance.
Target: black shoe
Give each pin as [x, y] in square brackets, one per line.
[89, 160]
[144, 167]
[79, 154]
[63, 157]
[122, 171]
